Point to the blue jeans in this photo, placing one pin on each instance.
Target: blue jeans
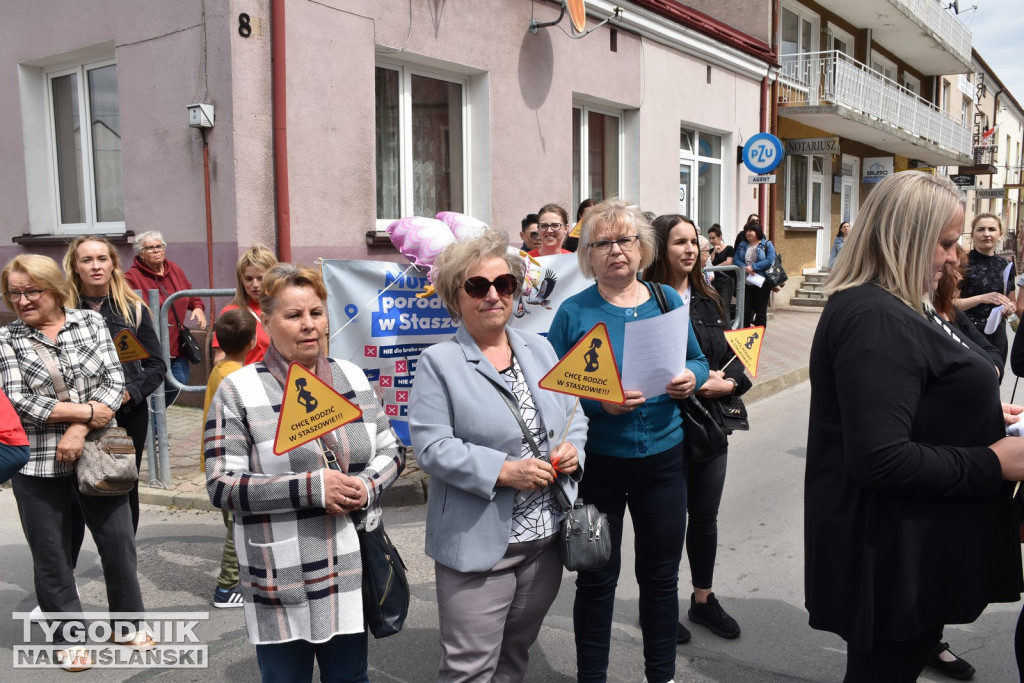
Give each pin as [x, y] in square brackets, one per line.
[180, 369]
[342, 659]
[654, 488]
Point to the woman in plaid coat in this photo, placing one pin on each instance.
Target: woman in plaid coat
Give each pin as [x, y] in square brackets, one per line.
[298, 554]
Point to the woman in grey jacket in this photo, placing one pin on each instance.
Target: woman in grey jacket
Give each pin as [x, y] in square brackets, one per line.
[492, 513]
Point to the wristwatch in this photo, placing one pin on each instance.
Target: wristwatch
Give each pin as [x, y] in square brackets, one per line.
[735, 384]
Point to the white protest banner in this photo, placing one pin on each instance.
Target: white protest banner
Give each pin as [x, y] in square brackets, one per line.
[378, 323]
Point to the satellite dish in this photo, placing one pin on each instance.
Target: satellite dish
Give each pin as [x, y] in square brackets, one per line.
[578, 14]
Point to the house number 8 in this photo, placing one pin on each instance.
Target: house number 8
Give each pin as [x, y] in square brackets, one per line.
[244, 27]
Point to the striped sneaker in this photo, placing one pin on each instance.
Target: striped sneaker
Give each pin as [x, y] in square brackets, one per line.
[227, 598]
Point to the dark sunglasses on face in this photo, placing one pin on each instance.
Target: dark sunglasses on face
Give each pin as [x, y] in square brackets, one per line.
[477, 287]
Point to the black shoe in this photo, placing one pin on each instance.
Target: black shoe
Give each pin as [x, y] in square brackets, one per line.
[712, 615]
[682, 634]
[958, 668]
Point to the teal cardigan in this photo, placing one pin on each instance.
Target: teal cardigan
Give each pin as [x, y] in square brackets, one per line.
[657, 425]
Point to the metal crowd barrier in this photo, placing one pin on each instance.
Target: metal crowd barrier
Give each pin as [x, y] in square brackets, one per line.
[741, 292]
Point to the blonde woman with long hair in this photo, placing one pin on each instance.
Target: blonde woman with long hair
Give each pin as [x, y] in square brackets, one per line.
[92, 267]
[909, 521]
[249, 272]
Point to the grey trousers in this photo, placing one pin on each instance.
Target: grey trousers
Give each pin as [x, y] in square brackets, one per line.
[490, 619]
[47, 507]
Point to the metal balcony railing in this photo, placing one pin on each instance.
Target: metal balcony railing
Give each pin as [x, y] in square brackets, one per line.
[986, 155]
[934, 15]
[833, 78]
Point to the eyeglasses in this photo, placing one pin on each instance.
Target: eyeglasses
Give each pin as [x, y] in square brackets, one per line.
[534, 235]
[550, 227]
[604, 246]
[478, 287]
[30, 295]
[159, 247]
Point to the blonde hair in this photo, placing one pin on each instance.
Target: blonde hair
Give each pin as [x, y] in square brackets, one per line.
[460, 257]
[893, 242]
[999, 221]
[284, 275]
[257, 256]
[123, 298]
[42, 270]
[617, 216]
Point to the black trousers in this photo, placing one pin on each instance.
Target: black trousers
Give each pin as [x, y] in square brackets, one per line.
[47, 506]
[892, 662]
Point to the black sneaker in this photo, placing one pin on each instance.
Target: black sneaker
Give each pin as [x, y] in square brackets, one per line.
[958, 668]
[712, 615]
[227, 598]
[683, 634]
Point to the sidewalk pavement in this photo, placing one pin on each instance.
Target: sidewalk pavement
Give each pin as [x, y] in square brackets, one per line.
[783, 363]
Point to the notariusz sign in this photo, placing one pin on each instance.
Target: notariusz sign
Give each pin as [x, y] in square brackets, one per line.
[828, 146]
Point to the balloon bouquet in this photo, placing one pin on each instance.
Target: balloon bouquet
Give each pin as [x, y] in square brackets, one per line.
[421, 240]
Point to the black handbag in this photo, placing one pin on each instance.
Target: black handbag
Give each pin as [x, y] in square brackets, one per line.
[776, 276]
[385, 586]
[703, 437]
[187, 344]
[734, 414]
[584, 539]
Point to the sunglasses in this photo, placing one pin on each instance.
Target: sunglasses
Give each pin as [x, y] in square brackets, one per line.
[477, 287]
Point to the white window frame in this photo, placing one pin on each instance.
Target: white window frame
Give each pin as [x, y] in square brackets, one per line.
[406, 186]
[912, 83]
[805, 15]
[694, 158]
[90, 225]
[836, 32]
[583, 189]
[825, 203]
[880, 65]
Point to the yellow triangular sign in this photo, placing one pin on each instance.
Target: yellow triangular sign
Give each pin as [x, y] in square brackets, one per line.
[128, 347]
[309, 409]
[588, 370]
[575, 232]
[746, 344]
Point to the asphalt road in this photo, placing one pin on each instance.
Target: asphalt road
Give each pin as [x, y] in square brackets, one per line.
[759, 580]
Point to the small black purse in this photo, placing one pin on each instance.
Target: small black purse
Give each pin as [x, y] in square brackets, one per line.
[703, 438]
[734, 414]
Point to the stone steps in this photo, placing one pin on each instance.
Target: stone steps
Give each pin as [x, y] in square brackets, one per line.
[810, 292]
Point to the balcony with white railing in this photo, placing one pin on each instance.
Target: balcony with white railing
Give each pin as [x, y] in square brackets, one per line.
[836, 93]
[922, 33]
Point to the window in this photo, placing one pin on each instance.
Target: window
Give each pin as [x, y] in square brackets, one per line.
[883, 66]
[805, 186]
[701, 152]
[911, 84]
[420, 121]
[965, 111]
[840, 41]
[86, 158]
[596, 154]
[797, 33]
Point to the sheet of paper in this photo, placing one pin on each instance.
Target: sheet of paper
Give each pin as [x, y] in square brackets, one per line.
[654, 351]
[995, 319]
[1007, 274]
[755, 279]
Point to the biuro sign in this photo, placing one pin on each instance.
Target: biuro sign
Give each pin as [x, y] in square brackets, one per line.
[588, 370]
[309, 409]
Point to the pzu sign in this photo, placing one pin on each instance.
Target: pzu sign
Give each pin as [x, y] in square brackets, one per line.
[762, 153]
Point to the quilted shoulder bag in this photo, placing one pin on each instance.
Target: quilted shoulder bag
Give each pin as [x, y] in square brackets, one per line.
[107, 465]
[584, 539]
[775, 275]
[187, 344]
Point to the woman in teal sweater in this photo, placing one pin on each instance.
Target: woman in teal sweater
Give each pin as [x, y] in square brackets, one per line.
[634, 450]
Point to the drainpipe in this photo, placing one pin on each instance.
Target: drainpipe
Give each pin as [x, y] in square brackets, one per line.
[209, 216]
[770, 121]
[762, 195]
[280, 111]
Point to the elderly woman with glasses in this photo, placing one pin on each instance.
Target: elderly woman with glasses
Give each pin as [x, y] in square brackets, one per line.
[635, 452]
[49, 339]
[554, 226]
[153, 270]
[492, 512]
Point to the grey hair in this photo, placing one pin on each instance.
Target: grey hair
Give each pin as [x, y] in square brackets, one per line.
[145, 237]
[462, 256]
[617, 216]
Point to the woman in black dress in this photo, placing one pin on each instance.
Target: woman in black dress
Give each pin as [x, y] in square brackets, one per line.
[890, 478]
[984, 285]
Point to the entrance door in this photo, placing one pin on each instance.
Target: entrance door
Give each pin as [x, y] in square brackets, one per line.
[685, 188]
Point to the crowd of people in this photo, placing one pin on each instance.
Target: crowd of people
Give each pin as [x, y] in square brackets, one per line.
[889, 476]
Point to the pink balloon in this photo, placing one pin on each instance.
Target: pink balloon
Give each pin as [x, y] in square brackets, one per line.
[462, 225]
[420, 239]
